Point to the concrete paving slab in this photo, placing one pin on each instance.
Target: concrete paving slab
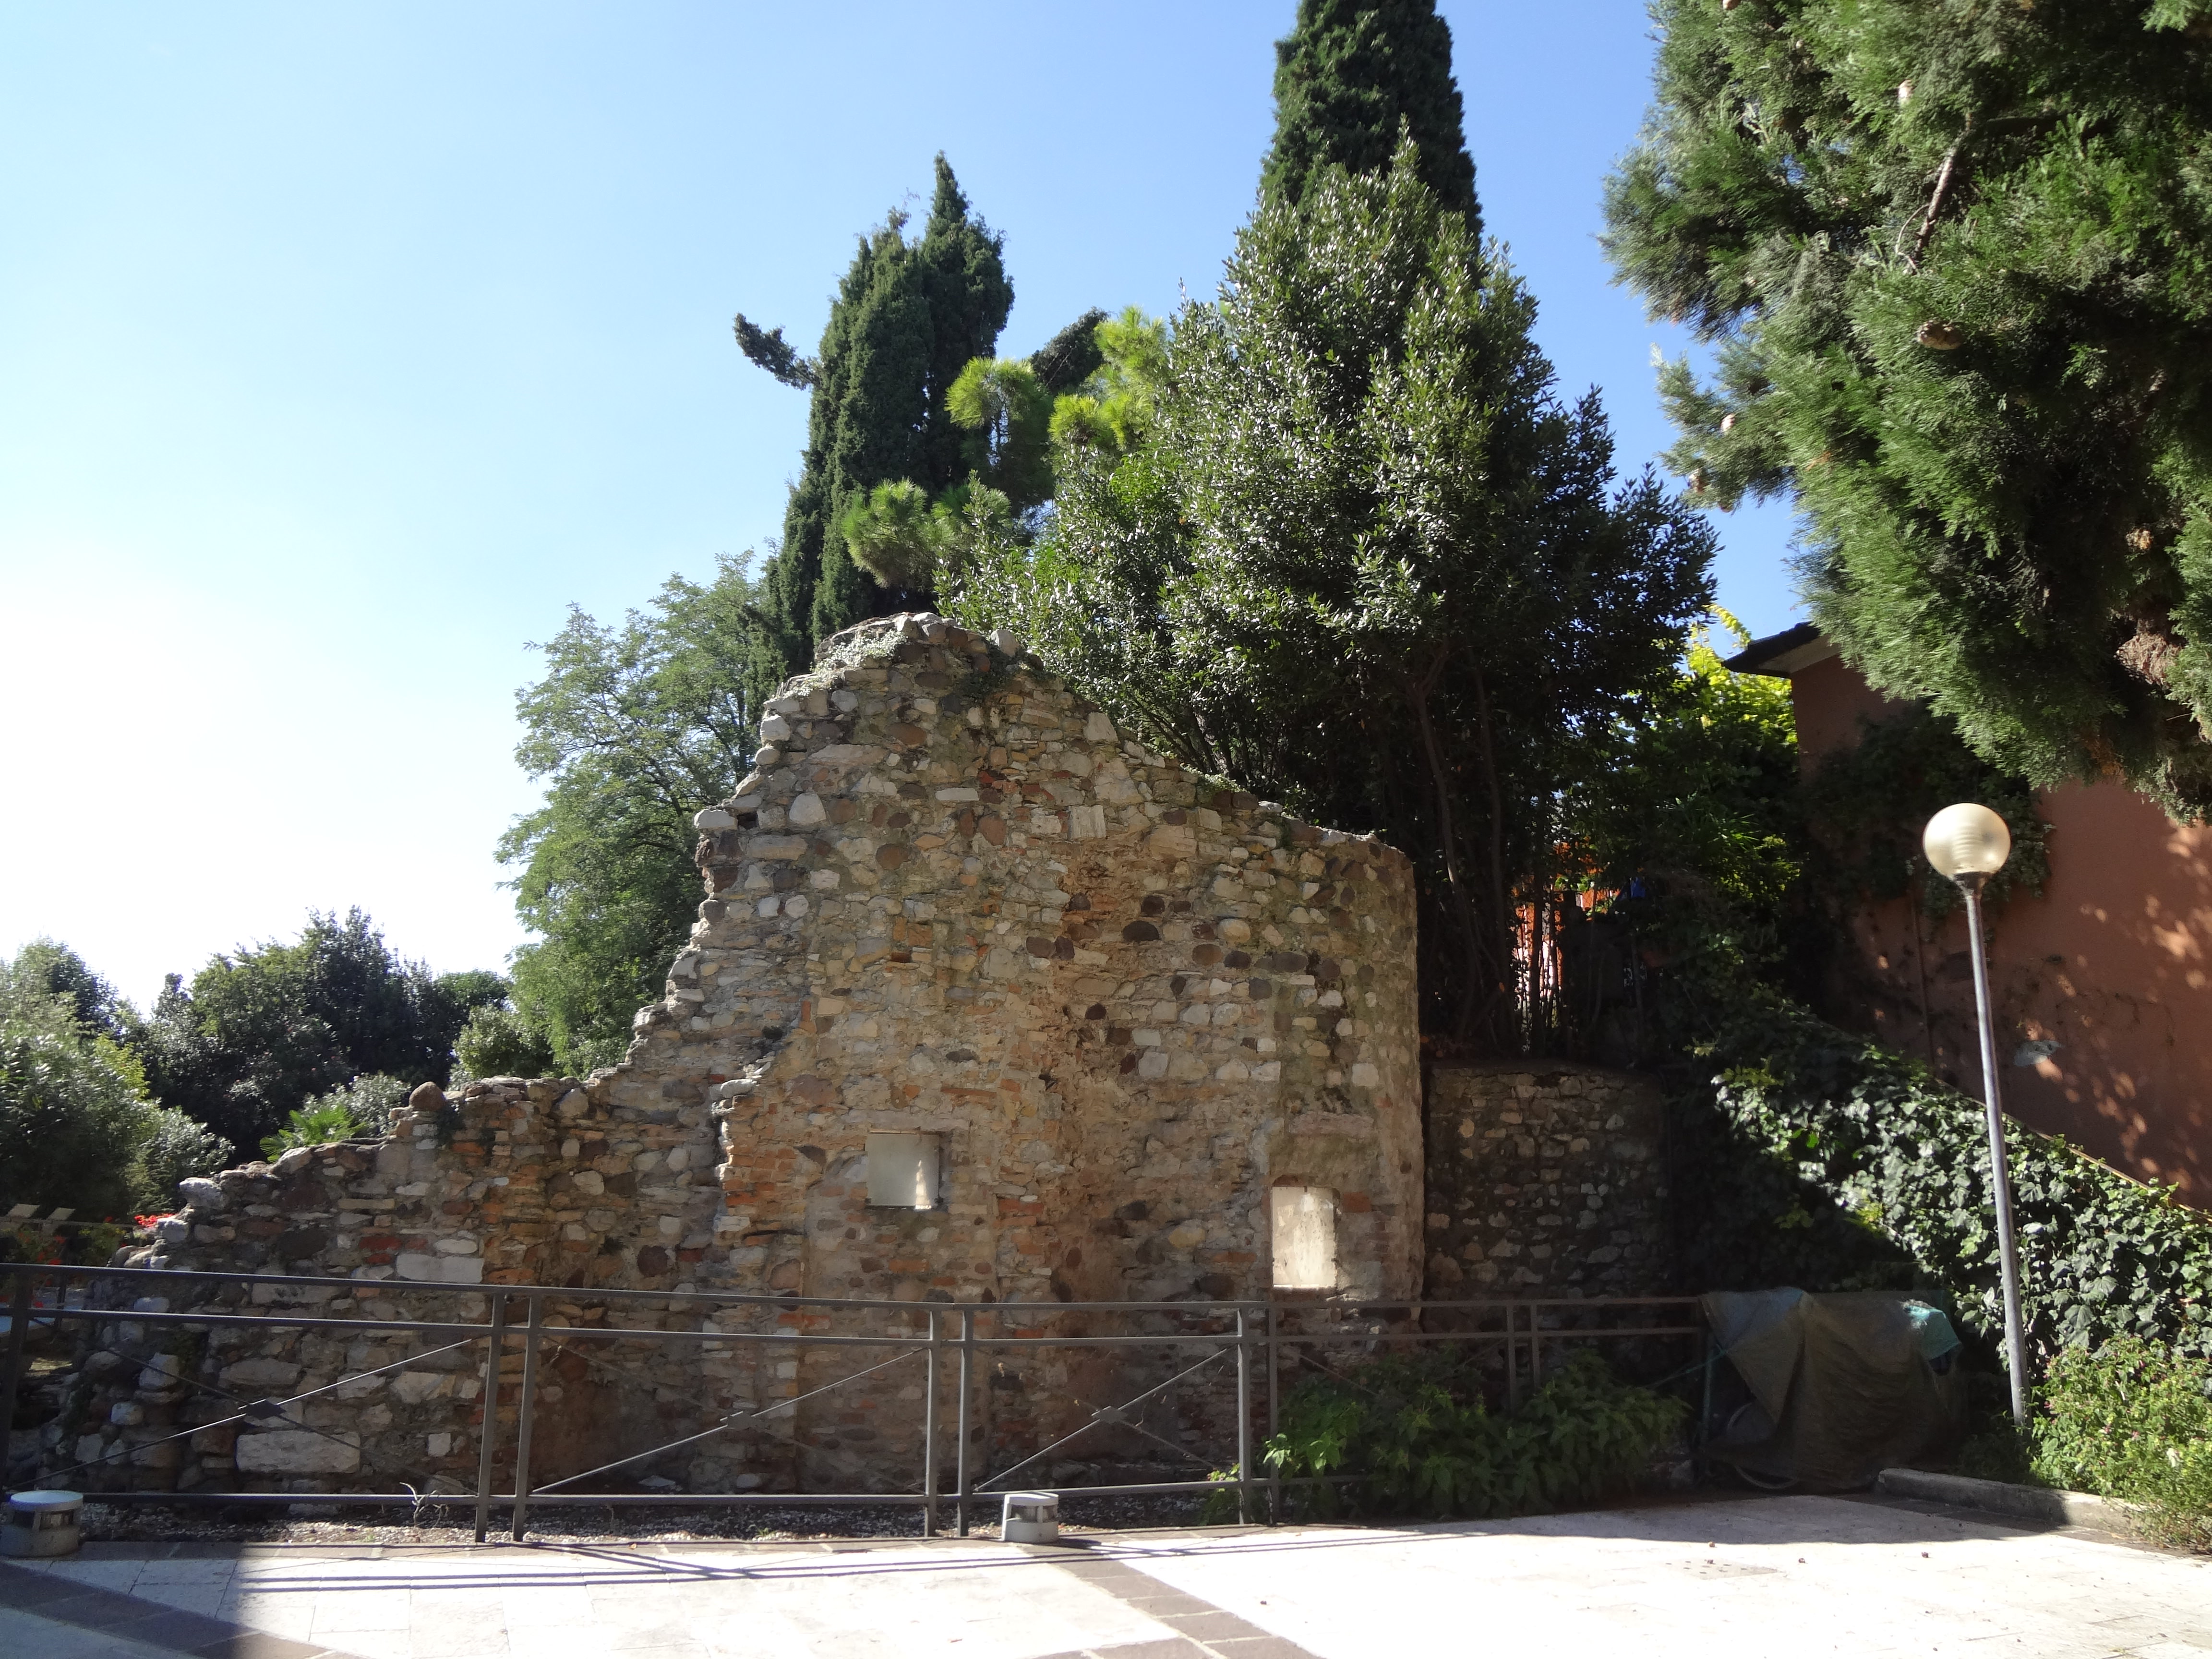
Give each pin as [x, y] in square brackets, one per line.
[1768, 1576]
[1786, 1576]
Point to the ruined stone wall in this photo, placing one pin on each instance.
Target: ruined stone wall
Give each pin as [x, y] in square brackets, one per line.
[1545, 1180]
[951, 901]
[544, 1183]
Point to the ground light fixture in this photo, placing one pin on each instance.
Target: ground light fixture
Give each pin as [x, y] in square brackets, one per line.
[1967, 844]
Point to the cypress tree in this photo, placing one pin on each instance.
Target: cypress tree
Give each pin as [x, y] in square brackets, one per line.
[908, 317]
[1956, 260]
[1349, 74]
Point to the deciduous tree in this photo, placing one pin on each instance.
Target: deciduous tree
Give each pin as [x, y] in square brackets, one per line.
[260, 1030]
[634, 727]
[1368, 562]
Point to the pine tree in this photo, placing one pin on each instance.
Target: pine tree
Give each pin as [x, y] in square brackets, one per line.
[1351, 72]
[1957, 259]
[908, 317]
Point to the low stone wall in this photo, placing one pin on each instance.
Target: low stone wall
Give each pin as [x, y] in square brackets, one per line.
[1545, 1179]
[546, 1182]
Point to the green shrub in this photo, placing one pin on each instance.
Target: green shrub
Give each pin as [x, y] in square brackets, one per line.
[1890, 1171]
[369, 1101]
[502, 1043]
[73, 1112]
[2132, 1420]
[177, 1147]
[1417, 1431]
[323, 1119]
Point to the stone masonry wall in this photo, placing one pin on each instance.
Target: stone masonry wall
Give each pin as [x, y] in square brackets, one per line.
[950, 899]
[1545, 1180]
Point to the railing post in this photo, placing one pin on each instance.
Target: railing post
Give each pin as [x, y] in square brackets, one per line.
[1711, 1354]
[1535, 1346]
[18, 1331]
[967, 1388]
[529, 1402]
[1274, 1372]
[1243, 1422]
[929, 1437]
[490, 1438]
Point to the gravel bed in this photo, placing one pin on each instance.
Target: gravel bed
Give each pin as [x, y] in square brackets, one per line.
[307, 1522]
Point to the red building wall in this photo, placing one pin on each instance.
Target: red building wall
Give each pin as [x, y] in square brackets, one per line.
[2103, 983]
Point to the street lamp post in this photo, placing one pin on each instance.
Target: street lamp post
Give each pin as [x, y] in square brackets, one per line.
[1968, 844]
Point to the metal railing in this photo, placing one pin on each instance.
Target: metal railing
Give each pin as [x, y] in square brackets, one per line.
[1224, 1335]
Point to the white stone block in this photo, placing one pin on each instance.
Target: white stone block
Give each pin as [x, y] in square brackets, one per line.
[260, 1373]
[299, 1451]
[440, 1269]
[413, 1387]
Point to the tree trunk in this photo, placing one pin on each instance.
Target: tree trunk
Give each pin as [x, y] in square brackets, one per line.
[1417, 699]
[1500, 918]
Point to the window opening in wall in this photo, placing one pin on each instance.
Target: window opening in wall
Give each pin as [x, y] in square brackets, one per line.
[1303, 1220]
[904, 1167]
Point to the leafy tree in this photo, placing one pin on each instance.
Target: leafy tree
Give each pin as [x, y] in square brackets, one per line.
[76, 1127]
[261, 1030]
[1956, 260]
[48, 966]
[503, 1043]
[634, 728]
[908, 317]
[1692, 822]
[1350, 74]
[1366, 561]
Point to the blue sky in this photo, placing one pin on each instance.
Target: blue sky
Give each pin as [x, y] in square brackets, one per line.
[343, 347]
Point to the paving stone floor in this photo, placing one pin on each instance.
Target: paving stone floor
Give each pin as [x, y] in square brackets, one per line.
[1780, 1576]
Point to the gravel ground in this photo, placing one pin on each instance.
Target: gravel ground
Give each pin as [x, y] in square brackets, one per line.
[454, 1523]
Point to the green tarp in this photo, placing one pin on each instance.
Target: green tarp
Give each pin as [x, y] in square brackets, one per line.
[1844, 1385]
